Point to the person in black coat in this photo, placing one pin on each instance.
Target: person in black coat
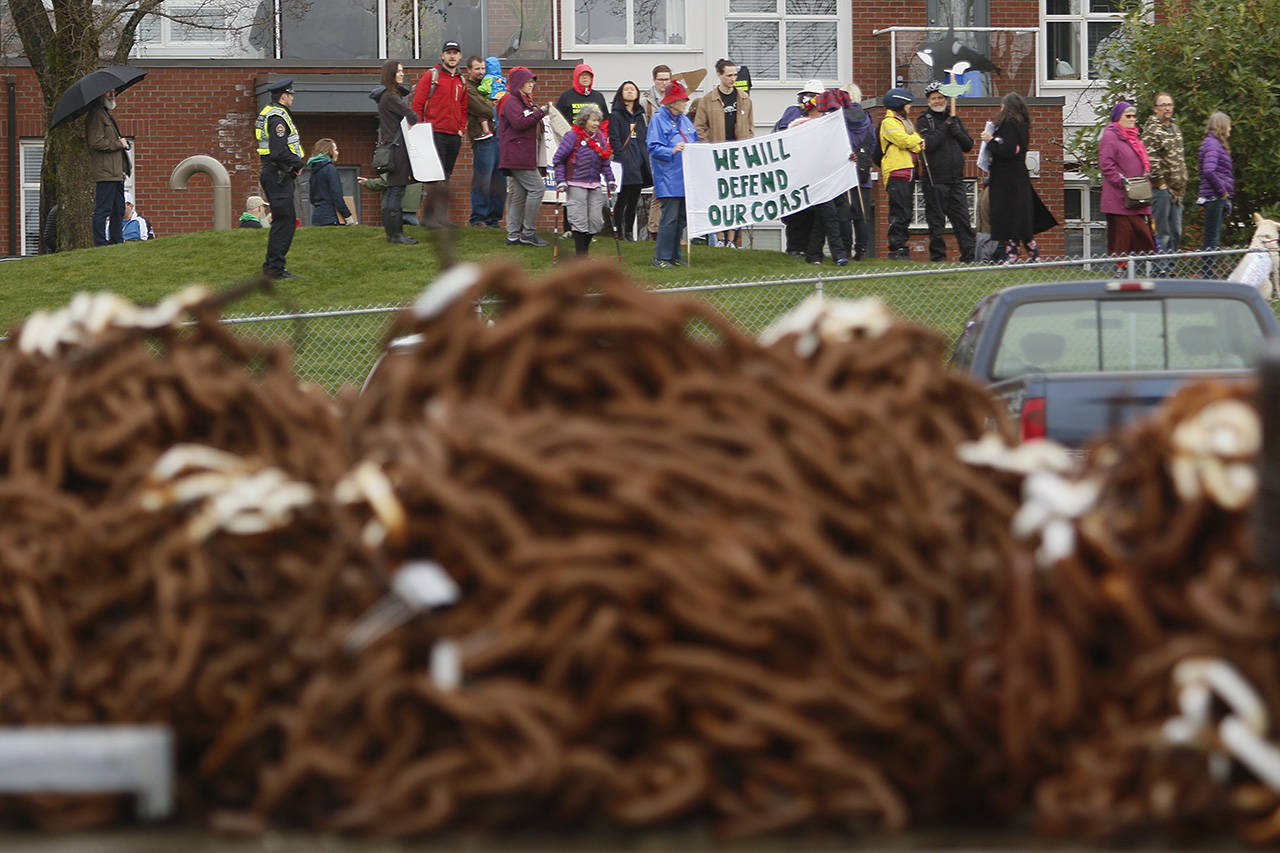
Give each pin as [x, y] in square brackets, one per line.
[627, 139]
[325, 187]
[280, 147]
[945, 197]
[391, 109]
[1017, 213]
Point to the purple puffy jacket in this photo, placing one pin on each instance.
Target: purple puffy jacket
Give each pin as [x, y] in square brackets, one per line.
[588, 166]
[1217, 177]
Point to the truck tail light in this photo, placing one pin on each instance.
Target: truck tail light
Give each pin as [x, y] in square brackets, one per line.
[1033, 424]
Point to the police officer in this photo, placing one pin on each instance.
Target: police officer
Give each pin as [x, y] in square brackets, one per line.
[281, 150]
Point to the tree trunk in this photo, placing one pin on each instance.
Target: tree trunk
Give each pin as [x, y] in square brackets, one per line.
[66, 171]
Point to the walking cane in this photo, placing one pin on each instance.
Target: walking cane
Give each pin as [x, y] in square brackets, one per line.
[555, 240]
[613, 224]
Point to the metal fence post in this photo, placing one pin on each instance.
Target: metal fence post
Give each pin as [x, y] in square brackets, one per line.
[1130, 272]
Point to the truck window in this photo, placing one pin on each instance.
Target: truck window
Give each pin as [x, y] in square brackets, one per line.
[1208, 334]
[1132, 335]
[1123, 335]
[962, 353]
[1042, 337]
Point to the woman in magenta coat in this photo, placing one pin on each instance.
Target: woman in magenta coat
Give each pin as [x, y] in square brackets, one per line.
[1121, 155]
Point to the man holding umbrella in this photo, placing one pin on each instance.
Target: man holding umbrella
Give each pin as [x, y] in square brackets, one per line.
[108, 167]
[280, 148]
[94, 96]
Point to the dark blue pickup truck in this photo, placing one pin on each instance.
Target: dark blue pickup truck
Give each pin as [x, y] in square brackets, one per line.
[1075, 358]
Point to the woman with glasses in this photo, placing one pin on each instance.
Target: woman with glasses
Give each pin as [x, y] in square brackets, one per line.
[1121, 155]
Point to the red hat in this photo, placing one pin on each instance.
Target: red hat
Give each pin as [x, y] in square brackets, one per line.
[675, 92]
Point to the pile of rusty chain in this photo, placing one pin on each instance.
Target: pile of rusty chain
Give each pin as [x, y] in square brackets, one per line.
[124, 433]
[698, 578]
[1133, 663]
[710, 579]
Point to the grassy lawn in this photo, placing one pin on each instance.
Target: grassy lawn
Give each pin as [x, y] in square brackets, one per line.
[355, 267]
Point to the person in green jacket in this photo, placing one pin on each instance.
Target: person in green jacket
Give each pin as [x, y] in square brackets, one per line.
[412, 196]
[257, 213]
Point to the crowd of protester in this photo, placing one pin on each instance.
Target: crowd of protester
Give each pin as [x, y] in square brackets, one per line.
[609, 154]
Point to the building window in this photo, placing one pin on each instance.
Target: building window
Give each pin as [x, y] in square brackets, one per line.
[1085, 228]
[184, 25]
[31, 152]
[971, 193]
[330, 29]
[629, 22]
[1073, 31]
[785, 40]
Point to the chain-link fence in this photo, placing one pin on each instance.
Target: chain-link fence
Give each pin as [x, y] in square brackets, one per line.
[339, 347]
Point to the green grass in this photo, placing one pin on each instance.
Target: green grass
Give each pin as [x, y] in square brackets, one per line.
[356, 267]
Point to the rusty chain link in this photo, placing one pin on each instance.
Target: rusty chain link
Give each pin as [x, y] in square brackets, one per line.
[697, 577]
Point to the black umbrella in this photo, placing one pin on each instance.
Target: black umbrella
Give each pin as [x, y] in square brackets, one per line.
[81, 94]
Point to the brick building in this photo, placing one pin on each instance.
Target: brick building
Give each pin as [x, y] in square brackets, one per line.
[205, 85]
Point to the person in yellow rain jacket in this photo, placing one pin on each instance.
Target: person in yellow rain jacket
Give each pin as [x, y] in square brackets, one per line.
[899, 143]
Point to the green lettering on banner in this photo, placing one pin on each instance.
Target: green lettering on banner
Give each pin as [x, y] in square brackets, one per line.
[782, 153]
[722, 160]
[769, 182]
[733, 157]
[722, 188]
[739, 214]
[783, 180]
[713, 215]
[752, 156]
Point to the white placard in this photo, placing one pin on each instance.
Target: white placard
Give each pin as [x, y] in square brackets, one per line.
[420, 144]
[751, 181]
[984, 153]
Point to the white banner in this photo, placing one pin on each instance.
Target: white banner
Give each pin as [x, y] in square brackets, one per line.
[420, 144]
[736, 184]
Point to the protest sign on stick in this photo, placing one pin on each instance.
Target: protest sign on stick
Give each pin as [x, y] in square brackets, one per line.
[752, 181]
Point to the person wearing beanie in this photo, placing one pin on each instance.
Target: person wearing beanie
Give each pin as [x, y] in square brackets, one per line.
[900, 145]
[1121, 155]
[669, 134]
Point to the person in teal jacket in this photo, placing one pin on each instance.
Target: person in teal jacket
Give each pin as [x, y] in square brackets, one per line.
[669, 133]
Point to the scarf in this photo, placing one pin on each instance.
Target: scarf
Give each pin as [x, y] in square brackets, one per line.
[604, 151]
[1130, 135]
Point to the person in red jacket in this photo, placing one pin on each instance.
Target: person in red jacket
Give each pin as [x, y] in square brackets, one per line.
[441, 98]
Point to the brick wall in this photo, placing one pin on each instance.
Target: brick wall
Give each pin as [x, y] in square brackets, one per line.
[181, 110]
[872, 70]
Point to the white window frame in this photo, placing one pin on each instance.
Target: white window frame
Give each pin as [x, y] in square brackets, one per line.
[229, 42]
[26, 148]
[844, 57]
[918, 221]
[629, 44]
[1082, 19]
[1094, 231]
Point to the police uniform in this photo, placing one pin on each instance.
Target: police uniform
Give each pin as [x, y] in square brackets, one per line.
[281, 150]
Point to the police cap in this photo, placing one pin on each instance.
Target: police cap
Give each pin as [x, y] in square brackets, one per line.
[281, 87]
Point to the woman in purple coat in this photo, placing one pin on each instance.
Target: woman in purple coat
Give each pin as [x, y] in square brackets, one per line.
[1217, 182]
[582, 172]
[1121, 155]
[519, 135]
